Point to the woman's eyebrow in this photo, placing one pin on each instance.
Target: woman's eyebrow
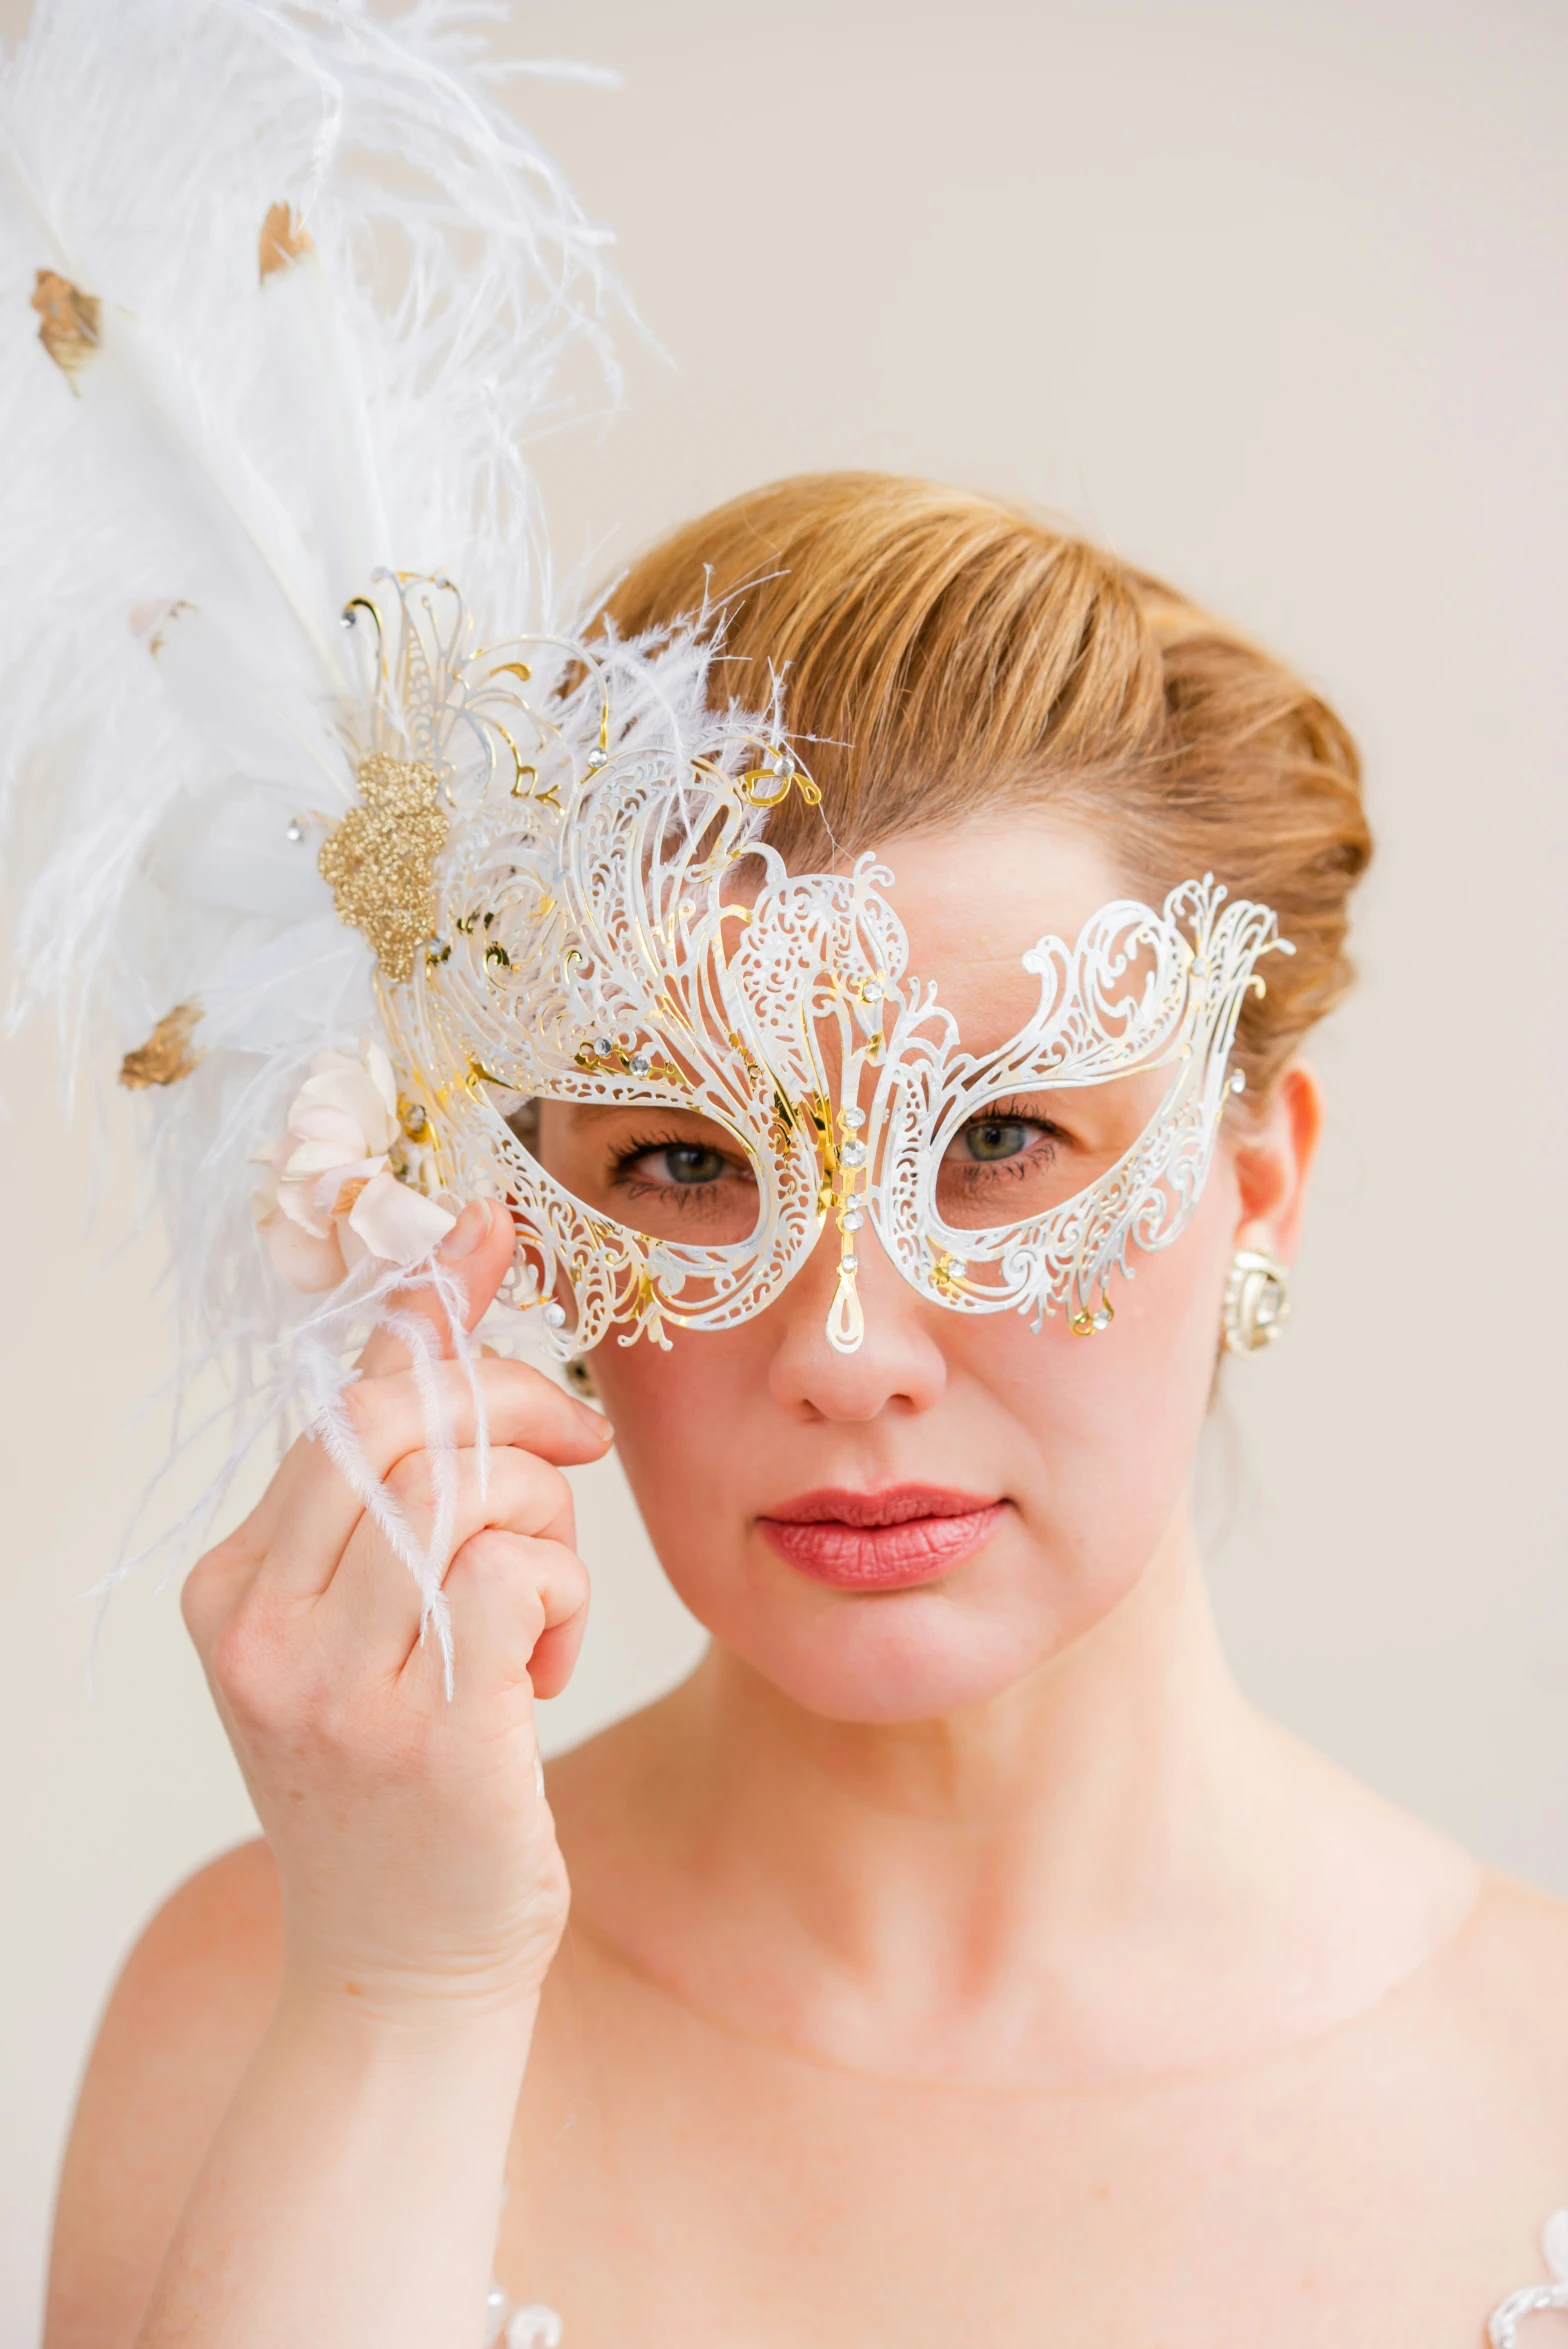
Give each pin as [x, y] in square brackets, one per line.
[580, 1114]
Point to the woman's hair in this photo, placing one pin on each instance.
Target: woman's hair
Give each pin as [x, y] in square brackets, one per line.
[943, 653]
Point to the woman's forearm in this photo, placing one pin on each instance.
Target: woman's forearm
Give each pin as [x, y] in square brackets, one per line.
[353, 2191]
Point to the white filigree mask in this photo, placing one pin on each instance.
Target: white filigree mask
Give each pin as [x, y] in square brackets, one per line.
[612, 929]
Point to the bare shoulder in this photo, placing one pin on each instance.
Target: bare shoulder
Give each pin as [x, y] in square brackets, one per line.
[189, 2009]
[1492, 2011]
[1510, 1966]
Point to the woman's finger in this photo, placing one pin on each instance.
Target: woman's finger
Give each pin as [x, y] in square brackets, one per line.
[555, 1655]
[519, 1609]
[473, 1257]
[214, 1587]
[477, 1250]
[373, 1608]
[318, 1507]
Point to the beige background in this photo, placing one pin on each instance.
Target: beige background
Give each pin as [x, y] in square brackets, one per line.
[1270, 293]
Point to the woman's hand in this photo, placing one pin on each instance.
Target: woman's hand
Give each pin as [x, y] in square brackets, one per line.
[417, 1856]
[350, 2191]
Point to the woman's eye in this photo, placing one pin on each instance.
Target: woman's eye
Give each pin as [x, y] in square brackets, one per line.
[673, 1189]
[679, 1166]
[1003, 1164]
[691, 1162]
[997, 1138]
[992, 1138]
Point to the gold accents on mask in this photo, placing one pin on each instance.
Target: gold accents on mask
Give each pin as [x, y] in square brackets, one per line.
[166, 1056]
[284, 238]
[380, 861]
[947, 1275]
[770, 784]
[602, 1056]
[68, 321]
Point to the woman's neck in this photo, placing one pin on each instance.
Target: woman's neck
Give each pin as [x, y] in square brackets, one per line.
[1034, 1814]
[1116, 1866]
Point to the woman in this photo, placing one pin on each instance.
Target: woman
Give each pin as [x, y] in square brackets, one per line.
[956, 1956]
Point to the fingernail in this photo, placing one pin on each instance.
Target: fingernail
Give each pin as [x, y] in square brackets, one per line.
[595, 1423]
[469, 1229]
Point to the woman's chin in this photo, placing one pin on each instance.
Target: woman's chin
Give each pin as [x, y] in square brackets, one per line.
[889, 1656]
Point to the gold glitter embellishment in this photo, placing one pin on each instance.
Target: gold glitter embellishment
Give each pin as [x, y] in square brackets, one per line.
[67, 320]
[381, 859]
[166, 1056]
[284, 238]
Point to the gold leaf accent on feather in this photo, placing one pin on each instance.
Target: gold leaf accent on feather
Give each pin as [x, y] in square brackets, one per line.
[380, 861]
[166, 1056]
[68, 320]
[284, 238]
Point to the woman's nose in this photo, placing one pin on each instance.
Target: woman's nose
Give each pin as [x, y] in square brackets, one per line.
[899, 1361]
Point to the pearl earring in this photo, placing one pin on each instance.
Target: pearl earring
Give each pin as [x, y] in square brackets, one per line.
[1257, 1301]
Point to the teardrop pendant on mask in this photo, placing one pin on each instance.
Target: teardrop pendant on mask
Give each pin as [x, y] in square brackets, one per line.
[846, 1320]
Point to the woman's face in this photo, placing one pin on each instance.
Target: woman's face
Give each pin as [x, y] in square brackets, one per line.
[1023, 1481]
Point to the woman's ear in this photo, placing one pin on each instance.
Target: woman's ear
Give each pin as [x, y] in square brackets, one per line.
[1273, 1158]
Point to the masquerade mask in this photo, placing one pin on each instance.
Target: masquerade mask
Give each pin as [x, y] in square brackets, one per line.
[609, 927]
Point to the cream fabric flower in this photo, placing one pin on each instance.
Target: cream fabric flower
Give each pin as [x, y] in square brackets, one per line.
[330, 1198]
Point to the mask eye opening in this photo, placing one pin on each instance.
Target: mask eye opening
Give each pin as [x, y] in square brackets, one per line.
[523, 1121]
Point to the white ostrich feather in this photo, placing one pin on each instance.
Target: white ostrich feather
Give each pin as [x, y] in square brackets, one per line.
[184, 516]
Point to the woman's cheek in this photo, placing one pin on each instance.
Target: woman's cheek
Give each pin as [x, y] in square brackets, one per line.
[681, 1435]
[1091, 1438]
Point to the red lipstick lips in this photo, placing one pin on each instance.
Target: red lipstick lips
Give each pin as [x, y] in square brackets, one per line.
[880, 1541]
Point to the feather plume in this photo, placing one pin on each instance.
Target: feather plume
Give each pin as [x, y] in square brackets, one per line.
[285, 293]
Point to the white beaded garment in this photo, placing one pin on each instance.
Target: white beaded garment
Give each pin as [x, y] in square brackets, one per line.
[508, 2326]
[541, 2329]
[535, 2327]
[1503, 2332]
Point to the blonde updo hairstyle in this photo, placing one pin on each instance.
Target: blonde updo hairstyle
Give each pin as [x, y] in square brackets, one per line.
[944, 653]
